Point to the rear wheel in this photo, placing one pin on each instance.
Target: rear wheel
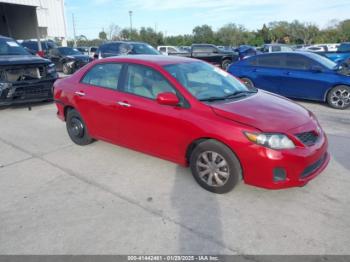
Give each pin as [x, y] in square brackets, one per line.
[77, 129]
[249, 83]
[339, 97]
[215, 167]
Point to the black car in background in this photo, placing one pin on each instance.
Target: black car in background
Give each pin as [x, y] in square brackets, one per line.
[23, 77]
[125, 48]
[212, 54]
[32, 47]
[68, 59]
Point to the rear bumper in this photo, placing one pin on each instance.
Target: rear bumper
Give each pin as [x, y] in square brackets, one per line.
[27, 92]
[300, 165]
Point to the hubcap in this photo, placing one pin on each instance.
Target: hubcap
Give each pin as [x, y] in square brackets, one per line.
[340, 97]
[212, 169]
[76, 127]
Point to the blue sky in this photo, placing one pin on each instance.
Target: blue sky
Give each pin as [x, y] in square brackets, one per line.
[174, 17]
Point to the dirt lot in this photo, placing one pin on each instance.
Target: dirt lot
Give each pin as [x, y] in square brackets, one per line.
[59, 198]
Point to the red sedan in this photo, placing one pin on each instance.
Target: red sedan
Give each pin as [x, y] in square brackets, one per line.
[195, 114]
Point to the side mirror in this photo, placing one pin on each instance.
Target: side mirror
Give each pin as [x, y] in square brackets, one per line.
[95, 56]
[167, 98]
[316, 69]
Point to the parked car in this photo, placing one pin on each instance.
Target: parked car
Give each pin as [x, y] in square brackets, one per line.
[245, 51]
[68, 59]
[322, 48]
[32, 47]
[193, 113]
[211, 54]
[302, 75]
[271, 48]
[23, 77]
[90, 51]
[342, 53]
[124, 48]
[166, 50]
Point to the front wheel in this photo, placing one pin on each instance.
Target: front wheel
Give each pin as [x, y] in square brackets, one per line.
[77, 129]
[225, 64]
[66, 69]
[215, 167]
[339, 97]
[249, 83]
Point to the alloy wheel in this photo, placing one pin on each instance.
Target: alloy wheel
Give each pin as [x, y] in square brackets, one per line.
[340, 98]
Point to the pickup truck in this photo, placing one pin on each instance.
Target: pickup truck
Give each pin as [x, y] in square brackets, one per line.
[211, 54]
[341, 55]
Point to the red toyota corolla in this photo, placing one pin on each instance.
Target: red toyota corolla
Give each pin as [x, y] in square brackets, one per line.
[195, 114]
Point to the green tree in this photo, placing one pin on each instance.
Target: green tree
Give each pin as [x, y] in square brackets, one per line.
[102, 35]
[203, 34]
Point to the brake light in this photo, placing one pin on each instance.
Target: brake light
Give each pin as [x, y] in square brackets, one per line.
[40, 53]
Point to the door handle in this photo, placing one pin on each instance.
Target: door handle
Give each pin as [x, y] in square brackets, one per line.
[79, 93]
[124, 104]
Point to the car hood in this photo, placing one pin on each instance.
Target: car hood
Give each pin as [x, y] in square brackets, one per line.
[22, 60]
[264, 111]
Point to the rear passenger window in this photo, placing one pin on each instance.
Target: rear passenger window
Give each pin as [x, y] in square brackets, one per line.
[297, 62]
[270, 60]
[104, 75]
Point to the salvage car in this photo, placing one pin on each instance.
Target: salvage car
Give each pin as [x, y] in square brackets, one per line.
[32, 47]
[68, 59]
[23, 76]
[301, 75]
[193, 113]
[212, 54]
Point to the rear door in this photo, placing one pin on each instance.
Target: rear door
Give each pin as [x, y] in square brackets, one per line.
[96, 98]
[267, 72]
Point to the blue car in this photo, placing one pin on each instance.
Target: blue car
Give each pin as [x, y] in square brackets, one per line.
[300, 75]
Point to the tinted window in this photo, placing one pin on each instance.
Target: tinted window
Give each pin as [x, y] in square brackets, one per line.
[105, 75]
[146, 82]
[270, 60]
[298, 62]
[162, 49]
[68, 51]
[275, 48]
[172, 50]
[143, 49]
[110, 48]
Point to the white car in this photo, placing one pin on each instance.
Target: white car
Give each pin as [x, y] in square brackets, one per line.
[166, 49]
[322, 48]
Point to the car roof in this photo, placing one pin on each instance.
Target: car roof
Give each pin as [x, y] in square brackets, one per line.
[123, 42]
[160, 60]
[5, 37]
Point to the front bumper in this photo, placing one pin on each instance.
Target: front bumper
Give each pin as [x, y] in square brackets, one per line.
[27, 92]
[300, 165]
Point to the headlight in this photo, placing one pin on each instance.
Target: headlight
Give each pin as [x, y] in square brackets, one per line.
[274, 141]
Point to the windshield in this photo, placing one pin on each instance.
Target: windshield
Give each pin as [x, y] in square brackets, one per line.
[144, 49]
[68, 51]
[10, 47]
[329, 64]
[205, 81]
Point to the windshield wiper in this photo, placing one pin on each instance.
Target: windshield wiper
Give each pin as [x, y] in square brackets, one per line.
[213, 98]
[240, 93]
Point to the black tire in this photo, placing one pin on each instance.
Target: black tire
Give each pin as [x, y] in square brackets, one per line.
[225, 64]
[66, 69]
[249, 83]
[339, 97]
[233, 167]
[77, 129]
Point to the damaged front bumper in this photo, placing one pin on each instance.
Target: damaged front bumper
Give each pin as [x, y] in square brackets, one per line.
[26, 91]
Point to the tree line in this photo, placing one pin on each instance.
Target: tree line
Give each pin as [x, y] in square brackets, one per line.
[231, 34]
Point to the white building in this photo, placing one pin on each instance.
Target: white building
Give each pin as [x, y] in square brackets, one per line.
[28, 19]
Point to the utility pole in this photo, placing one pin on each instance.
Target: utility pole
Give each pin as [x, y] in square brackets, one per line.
[130, 15]
[74, 35]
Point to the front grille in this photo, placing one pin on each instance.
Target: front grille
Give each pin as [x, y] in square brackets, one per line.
[310, 169]
[307, 138]
[28, 92]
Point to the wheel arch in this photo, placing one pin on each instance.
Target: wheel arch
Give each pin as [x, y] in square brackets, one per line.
[330, 88]
[198, 141]
[66, 109]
